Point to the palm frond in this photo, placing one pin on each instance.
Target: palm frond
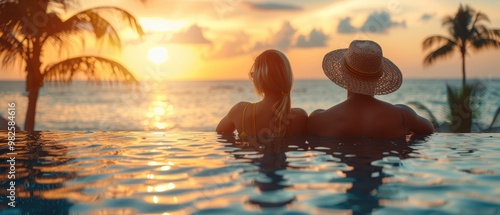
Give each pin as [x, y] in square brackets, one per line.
[464, 103]
[93, 21]
[481, 42]
[10, 14]
[493, 33]
[441, 52]
[95, 68]
[479, 29]
[447, 21]
[11, 49]
[430, 41]
[64, 4]
[123, 15]
[74, 30]
[61, 36]
[65, 44]
[475, 27]
[481, 17]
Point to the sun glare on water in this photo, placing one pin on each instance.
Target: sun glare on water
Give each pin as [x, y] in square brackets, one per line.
[158, 55]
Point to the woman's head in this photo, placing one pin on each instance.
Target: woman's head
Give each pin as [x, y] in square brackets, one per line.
[271, 73]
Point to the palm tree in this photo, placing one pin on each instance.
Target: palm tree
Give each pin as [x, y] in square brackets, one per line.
[30, 28]
[466, 31]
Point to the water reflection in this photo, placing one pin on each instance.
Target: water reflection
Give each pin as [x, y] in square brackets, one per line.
[193, 173]
[39, 173]
[369, 158]
[349, 172]
[271, 158]
[159, 115]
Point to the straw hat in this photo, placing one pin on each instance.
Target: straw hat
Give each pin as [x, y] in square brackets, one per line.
[362, 69]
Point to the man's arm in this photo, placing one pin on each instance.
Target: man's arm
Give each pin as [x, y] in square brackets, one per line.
[414, 122]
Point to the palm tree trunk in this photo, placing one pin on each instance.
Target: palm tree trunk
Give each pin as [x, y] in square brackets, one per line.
[34, 81]
[460, 109]
[29, 124]
[463, 67]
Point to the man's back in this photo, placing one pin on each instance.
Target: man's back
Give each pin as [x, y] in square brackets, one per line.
[362, 115]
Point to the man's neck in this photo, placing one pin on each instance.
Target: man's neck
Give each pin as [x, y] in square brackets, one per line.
[357, 95]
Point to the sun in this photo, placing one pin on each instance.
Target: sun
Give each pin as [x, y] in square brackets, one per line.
[158, 55]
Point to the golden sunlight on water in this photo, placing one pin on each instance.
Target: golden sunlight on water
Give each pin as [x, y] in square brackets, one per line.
[159, 115]
[201, 172]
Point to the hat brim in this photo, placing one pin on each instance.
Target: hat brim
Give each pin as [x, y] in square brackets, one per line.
[334, 68]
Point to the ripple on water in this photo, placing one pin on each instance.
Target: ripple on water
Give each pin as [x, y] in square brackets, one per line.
[272, 198]
[227, 170]
[312, 161]
[308, 176]
[329, 201]
[228, 149]
[191, 173]
[300, 154]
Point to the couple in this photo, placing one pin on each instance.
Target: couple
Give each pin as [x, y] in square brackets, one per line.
[361, 70]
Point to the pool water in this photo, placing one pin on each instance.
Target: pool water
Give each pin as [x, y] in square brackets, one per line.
[205, 173]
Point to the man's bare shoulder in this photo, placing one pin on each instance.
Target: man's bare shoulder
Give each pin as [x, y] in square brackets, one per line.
[405, 109]
[317, 112]
[328, 113]
[321, 117]
[417, 124]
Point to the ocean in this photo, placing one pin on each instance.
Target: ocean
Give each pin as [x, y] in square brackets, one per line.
[199, 105]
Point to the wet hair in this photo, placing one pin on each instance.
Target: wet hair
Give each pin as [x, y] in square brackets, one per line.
[272, 74]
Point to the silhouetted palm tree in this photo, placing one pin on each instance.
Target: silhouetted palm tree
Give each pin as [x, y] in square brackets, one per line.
[466, 31]
[30, 29]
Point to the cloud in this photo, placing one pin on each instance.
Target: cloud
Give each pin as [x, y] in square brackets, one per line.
[316, 39]
[376, 22]
[345, 26]
[233, 47]
[379, 22]
[193, 35]
[427, 16]
[283, 39]
[273, 6]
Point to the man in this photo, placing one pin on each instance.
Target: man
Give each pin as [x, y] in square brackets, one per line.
[364, 72]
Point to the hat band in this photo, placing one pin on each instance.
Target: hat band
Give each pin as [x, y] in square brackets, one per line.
[362, 74]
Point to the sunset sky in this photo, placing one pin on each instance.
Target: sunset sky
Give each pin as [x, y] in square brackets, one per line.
[218, 39]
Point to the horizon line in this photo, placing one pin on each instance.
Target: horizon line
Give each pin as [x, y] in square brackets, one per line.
[243, 79]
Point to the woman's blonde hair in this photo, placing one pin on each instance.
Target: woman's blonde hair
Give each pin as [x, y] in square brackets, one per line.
[272, 74]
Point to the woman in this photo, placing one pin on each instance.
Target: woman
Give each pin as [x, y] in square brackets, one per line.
[272, 116]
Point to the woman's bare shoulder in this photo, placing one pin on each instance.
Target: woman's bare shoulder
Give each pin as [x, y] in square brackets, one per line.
[227, 123]
[298, 122]
[238, 106]
[299, 111]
